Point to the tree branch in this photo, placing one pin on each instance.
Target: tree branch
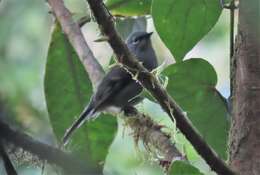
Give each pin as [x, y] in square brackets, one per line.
[150, 134]
[76, 38]
[124, 56]
[53, 155]
[9, 168]
[146, 129]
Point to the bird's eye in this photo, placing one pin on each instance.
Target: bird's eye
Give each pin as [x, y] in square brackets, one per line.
[136, 41]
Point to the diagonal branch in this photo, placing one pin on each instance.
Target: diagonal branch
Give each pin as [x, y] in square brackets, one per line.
[150, 82]
[43, 151]
[150, 134]
[77, 40]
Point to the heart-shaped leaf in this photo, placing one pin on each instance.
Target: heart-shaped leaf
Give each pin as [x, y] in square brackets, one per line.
[192, 84]
[182, 23]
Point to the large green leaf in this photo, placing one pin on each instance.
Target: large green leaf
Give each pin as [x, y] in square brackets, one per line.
[129, 7]
[68, 90]
[182, 23]
[183, 168]
[192, 84]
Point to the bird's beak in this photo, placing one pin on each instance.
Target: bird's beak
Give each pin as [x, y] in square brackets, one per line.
[148, 35]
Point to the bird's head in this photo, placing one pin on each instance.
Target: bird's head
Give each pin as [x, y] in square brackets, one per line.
[139, 40]
[139, 43]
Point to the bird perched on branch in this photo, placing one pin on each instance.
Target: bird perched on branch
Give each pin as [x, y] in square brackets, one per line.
[118, 88]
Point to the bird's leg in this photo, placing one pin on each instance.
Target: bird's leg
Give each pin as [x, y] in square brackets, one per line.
[129, 111]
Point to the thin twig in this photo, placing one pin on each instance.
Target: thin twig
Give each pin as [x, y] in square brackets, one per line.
[232, 6]
[153, 86]
[232, 11]
[232, 48]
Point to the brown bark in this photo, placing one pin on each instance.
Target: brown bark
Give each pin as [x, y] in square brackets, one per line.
[245, 129]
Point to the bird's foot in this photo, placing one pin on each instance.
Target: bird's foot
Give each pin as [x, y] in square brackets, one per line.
[129, 111]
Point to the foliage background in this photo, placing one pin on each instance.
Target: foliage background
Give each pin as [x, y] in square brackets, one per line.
[24, 37]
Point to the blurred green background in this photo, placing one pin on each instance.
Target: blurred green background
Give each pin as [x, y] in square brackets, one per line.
[25, 31]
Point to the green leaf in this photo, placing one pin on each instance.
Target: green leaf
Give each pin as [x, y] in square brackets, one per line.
[67, 91]
[183, 168]
[192, 84]
[129, 7]
[182, 23]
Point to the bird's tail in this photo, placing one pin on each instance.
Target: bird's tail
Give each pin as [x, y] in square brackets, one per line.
[87, 113]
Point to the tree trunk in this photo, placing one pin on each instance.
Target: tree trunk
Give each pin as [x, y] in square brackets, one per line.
[245, 130]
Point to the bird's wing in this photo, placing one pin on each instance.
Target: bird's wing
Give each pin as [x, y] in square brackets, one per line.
[117, 78]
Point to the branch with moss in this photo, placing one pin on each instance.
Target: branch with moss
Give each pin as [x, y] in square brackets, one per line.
[146, 129]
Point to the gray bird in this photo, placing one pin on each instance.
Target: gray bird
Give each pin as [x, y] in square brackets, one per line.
[118, 89]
